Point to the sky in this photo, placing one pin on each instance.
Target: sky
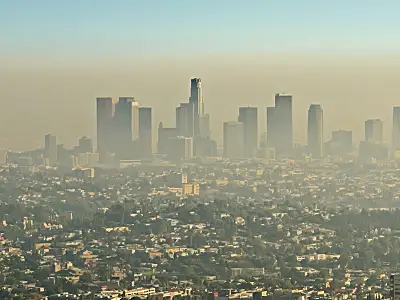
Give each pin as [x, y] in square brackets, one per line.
[56, 57]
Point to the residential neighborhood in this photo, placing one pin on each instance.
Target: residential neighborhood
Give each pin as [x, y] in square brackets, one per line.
[246, 229]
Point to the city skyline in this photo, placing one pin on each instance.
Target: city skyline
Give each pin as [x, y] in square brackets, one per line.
[388, 139]
[241, 138]
[329, 54]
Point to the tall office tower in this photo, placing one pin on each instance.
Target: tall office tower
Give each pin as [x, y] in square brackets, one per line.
[396, 129]
[135, 120]
[50, 148]
[196, 98]
[164, 135]
[249, 117]
[233, 140]
[85, 145]
[270, 127]
[185, 119]
[145, 132]
[315, 130]
[374, 131]
[105, 113]
[204, 123]
[283, 123]
[123, 128]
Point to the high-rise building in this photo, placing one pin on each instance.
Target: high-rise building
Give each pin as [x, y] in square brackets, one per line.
[185, 119]
[196, 95]
[396, 129]
[85, 145]
[164, 135]
[124, 127]
[50, 148]
[249, 117]
[196, 98]
[233, 140]
[135, 120]
[283, 124]
[145, 132]
[271, 127]
[204, 123]
[105, 113]
[315, 130]
[374, 131]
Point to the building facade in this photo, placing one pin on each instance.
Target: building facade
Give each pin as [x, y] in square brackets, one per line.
[249, 117]
[233, 140]
[145, 132]
[315, 130]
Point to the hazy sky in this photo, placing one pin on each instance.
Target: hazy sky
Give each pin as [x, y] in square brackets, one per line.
[57, 56]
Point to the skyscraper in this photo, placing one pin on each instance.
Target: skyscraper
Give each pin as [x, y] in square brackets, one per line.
[185, 119]
[233, 140]
[145, 132]
[315, 130]
[105, 113]
[164, 138]
[123, 130]
[249, 117]
[204, 123]
[396, 129]
[283, 124]
[196, 99]
[271, 127]
[135, 120]
[50, 148]
[374, 131]
[196, 95]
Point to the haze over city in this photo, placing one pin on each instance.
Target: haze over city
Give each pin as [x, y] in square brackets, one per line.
[57, 57]
[200, 150]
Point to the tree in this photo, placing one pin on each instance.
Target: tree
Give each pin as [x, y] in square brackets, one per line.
[86, 277]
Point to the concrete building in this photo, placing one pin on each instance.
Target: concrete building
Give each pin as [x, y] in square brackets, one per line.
[233, 140]
[283, 124]
[145, 132]
[249, 117]
[164, 135]
[204, 123]
[280, 125]
[124, 127]
[185, 119]
[105, 113]
[396, 129]
[85, 144]
[340, 144]
[270, 127]
[135, 120]
[180, 147]
[315, 132]
[374, 131]
[50, 148]
[196, 99]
